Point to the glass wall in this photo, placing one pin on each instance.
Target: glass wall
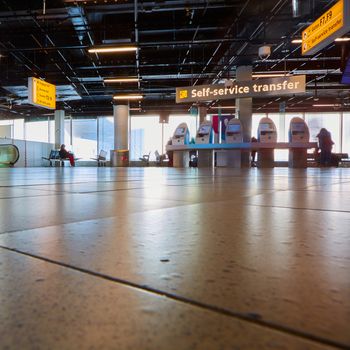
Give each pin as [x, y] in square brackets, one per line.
[147, 135]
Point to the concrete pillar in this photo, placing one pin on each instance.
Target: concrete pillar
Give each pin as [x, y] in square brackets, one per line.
[59, 128]
[121, 127]
[244, 111]
[202, 113]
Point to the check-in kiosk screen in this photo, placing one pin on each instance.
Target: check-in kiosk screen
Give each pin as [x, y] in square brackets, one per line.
[179, 131]
[265, 127]
[233, 128]
[298, 128]
[204, 130]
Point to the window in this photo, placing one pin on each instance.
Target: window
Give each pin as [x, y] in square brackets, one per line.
[18, 129]
[84, 143]
[6, 129]
[346, 133]
[37, 131]
[106, 134]
[145, 136]
[330, 121]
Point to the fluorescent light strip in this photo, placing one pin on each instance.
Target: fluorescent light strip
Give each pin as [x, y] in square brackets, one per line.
[270, 75]
[121, 80]
[299, 41]
[326, 105]
[223, 107]
[342, 39]
[127, 97]
[112, 49]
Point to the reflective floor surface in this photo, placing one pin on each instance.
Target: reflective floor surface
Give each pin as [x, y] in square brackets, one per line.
[158, 258]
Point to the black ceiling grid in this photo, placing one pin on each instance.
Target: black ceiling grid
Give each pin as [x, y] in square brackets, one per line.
[181, 43]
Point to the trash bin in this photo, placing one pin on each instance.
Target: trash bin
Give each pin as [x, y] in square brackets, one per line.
[119, 157]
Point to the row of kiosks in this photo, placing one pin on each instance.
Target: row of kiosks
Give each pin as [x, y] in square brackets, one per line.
[267, 133]
[298, 134]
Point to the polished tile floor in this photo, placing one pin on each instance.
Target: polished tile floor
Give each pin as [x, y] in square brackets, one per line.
[157, 258]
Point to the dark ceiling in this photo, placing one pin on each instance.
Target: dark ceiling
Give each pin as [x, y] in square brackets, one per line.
[181, 43]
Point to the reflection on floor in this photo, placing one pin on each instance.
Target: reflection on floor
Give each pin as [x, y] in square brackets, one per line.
[157, 258]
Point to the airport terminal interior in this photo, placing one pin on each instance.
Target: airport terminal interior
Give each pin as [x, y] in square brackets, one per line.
[175, 174]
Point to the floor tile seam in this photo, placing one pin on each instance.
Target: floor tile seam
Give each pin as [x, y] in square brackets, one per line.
[243, 317]
[183, 204]
[101, 218]
[294, 208]
[331, 184]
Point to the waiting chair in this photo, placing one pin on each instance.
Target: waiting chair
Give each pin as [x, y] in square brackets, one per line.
[145, 158]
[101, 158]
[161, 158]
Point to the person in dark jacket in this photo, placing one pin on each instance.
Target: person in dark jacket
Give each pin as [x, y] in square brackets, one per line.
[253, 153]
[325, 144]
[64, 154]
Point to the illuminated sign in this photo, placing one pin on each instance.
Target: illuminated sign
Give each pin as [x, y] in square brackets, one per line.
[332, 24]
[41, 93]
[254, 88]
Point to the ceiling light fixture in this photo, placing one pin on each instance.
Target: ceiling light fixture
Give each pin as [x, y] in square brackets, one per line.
[299, 41]
[326, 105]
[127, 97]
[105, 49]
[342, 39]
[121, 80]
[270, 75]
[222, 107]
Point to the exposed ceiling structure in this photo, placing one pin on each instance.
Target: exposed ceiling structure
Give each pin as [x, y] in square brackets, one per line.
[180, 43]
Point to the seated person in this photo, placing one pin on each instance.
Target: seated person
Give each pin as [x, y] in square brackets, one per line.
[64, 154]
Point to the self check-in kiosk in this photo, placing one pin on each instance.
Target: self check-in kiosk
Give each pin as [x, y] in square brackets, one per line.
[181, 137]
[205, 135]
[298, 134]
[267, 133]
[234, 134]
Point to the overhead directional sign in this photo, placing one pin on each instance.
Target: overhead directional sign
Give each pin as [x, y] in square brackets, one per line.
[332, 24]
[41, 93]
[254, 88]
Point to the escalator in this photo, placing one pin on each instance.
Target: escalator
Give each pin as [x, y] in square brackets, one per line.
[9, 155]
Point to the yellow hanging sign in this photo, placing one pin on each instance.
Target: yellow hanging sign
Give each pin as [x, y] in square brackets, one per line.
[41, 93]
[332, 24]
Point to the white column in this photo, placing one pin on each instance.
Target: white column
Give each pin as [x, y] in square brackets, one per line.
[244, 111]
[121, 127]
[59, 128]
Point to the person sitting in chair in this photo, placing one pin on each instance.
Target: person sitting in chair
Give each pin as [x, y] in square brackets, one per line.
[64, 154]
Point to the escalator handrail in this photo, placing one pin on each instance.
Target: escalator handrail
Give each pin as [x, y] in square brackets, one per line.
[17, 152]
